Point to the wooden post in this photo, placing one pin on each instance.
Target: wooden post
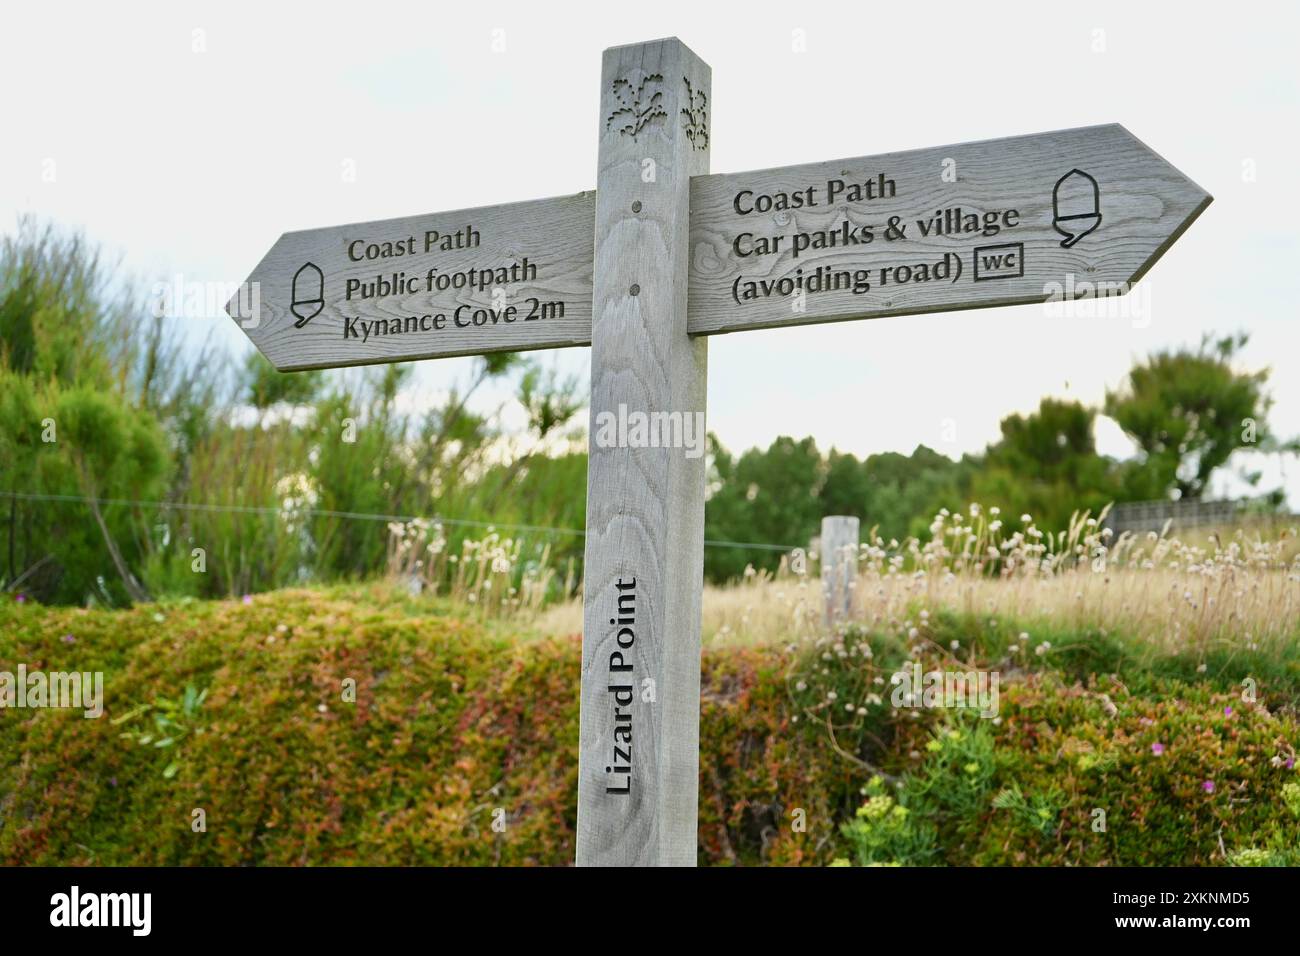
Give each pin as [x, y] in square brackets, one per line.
[839, 555]
[638, 767]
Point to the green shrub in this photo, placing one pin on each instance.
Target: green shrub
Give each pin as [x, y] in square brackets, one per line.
[1037, 813]
[884, 832]
[446, 722]
[451, 721]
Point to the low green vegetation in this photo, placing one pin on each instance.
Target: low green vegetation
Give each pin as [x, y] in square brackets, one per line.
[363, 725]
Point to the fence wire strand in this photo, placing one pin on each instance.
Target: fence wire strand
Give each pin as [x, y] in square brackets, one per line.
[351, 515]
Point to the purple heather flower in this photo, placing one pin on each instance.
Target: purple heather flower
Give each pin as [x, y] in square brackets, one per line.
[1227, 712]
[21, 599]
[1208, 786]
[1290, 763]
[1157, 748]
[248, 599]
[68, 639]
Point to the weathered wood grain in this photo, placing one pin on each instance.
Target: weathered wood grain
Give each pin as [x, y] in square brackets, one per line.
[645, 505]
[1145, 204]
[552, 236]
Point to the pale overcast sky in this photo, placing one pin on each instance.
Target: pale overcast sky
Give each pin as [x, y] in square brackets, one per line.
[188, 136]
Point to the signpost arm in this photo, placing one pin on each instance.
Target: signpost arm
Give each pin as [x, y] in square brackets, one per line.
[639, 742]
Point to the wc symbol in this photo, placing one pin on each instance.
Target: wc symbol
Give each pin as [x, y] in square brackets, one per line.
[1076, 206]
[308, 294]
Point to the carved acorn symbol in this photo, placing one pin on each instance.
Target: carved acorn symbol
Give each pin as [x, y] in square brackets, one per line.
[1076, 206]
[308, 294]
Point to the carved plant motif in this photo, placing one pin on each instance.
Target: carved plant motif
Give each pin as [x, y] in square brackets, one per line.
[635, 110]
[695, 116]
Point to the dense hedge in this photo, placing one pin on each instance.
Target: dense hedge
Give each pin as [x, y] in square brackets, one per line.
[453, 721]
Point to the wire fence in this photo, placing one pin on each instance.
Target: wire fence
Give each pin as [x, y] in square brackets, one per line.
[298, 513]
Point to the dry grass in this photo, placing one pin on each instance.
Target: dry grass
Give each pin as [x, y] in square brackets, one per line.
[1240, 589]
[493, 574]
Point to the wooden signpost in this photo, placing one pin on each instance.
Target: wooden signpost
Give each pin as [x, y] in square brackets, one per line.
[659, 257]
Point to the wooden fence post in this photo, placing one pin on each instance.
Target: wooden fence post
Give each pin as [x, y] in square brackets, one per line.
[839, 555]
